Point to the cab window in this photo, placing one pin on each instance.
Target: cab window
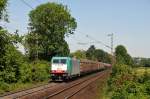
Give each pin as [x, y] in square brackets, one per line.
[63, 61]
[55, 61]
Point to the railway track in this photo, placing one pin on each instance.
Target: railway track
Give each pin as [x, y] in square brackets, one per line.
[26, 92]
[55, 90]
[72, 90]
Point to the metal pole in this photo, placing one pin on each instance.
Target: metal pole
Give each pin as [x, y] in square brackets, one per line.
[37, 45]
[111, 35]
[112, 44]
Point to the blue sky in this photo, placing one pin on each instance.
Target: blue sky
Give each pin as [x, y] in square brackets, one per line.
[129, 20]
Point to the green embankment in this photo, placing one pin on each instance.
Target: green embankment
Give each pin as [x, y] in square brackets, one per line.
[135, 85]
[30, 75]
[20, 86]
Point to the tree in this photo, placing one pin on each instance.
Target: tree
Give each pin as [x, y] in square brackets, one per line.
[97, 54]
[3, 14]
[102, 56]
[90, 53]
[49, 24]
[79, 54]
[145, 62]
[122, 56]
[10, 58]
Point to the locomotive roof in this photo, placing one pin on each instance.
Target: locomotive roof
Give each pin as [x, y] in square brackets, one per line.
[61, 57]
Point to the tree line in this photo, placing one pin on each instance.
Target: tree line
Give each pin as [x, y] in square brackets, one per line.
[141, 62]
[93, 54]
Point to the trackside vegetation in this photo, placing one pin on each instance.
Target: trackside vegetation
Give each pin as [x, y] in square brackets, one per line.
[125, 81]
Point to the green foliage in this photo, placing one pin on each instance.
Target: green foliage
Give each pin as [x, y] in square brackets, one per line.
[145, 62]
[79, 54]
[123, 83]
[97, 54]
[3, 14]
[14, 68]
[10, 58]
[36, 71]
[93, 54]
[147, 87]
[49, 24]
[90, 53]
[102, 56]
[40, 70]
[25, 73]
[129, 90]
[118, 69]
[142, 62]
[122, 56]
[4, 86]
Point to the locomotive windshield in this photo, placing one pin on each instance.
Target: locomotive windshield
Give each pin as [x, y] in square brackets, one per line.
[63, 61]
[57, 61]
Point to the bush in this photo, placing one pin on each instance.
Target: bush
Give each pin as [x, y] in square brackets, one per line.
[40, 70]
[4, 86]
[35, 71]
[119, 69]
[147, 87]
[25, 73]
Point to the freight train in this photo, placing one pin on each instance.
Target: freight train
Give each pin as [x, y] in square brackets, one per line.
[65, 68]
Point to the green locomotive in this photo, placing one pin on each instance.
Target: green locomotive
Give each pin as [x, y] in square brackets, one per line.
[64, 68]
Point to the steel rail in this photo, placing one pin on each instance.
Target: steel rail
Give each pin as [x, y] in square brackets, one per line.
[10, 93]
[26, 91]
[69, 96]
[65, 89]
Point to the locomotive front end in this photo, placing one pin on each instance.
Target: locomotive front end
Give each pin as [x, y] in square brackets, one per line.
[59, 69]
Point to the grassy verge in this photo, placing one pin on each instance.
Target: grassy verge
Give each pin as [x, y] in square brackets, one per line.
[103, 91]
[10, 88]
[102, 87]
[141, 70]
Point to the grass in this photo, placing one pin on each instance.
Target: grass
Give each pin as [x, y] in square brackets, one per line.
[141, 70]
[102, 88]
[20, 86]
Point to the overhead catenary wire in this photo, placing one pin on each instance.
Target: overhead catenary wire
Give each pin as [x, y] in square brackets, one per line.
[27, 4]
[38, 1]
[97, 41]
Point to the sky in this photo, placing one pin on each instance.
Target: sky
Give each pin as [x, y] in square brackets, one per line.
[128, 20]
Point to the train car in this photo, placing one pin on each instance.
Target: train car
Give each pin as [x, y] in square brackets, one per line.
[107, 66]
[63, 68]
[88, 66]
